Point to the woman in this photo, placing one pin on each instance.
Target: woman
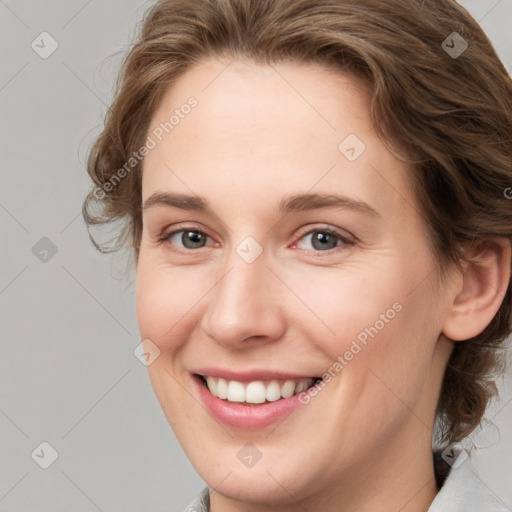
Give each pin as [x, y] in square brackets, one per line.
[315, 195]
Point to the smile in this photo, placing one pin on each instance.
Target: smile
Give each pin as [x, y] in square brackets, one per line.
[250, 401]
[257, 391]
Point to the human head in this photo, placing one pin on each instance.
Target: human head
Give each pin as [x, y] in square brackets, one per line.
[449, 119]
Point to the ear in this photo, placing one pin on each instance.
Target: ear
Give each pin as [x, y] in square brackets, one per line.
[480, 291]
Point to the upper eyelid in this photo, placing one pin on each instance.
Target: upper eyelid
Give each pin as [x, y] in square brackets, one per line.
[328, 229]
[166, 234]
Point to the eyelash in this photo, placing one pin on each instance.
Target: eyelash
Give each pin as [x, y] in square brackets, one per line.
[345, 241]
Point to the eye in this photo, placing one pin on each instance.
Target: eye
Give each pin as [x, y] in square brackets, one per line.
[188, 238]
[325, 239]
[321, 239]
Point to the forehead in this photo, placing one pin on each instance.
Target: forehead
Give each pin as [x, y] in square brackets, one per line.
[256, 102]
[289, 126]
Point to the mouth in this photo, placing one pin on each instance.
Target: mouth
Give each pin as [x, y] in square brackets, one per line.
[251, 399]
[256, 392]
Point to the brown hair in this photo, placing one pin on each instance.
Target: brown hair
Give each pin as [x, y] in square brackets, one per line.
[448, 115]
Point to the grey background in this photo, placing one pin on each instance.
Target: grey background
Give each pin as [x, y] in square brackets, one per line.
[68, 373]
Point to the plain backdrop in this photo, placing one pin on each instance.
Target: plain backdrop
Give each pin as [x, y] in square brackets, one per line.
[69, 377]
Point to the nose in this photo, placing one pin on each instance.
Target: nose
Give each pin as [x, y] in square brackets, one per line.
[245, 304]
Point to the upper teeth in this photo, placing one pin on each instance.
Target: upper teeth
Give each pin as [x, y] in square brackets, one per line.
[256, 392]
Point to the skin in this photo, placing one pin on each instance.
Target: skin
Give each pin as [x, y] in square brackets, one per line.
[258, 134]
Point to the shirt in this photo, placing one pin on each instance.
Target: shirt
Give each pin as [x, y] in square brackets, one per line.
[461, 489]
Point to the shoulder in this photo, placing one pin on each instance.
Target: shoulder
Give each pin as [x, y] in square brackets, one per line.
[201, 503]
[463, 490]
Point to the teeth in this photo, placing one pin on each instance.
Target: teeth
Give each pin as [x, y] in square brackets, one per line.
[212, 385]
[288, 389]
[222, 388]
[273, 391]
[236, 391]
[301, 386]
[256, 392]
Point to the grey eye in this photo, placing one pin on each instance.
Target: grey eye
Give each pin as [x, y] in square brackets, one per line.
[189, 239]
[322, 240]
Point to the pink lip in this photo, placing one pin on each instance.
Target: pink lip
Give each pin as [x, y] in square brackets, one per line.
[249, 376]
[244, 416]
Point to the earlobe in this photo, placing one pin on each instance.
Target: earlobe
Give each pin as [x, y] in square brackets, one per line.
[485, 278]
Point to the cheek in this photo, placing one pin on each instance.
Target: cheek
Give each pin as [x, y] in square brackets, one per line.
[346, 305]
[165, 300]
[162, 303]
[151, 294]
[391, 355]
[380, 321]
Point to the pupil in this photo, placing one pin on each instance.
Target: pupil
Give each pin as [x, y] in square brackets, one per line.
[195, 239]
[323, 240]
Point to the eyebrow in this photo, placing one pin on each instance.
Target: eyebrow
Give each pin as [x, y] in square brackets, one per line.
[290, 203]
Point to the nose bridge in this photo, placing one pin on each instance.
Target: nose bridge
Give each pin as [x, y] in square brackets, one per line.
[240, 294]
[245, 271]
[243, 301]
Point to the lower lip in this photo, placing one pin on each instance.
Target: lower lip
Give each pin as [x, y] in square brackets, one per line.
[245, 416]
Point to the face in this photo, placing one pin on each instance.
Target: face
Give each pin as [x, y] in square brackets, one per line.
[282, 244]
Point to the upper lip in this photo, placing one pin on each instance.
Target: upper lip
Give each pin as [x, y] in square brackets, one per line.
[250, 375]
